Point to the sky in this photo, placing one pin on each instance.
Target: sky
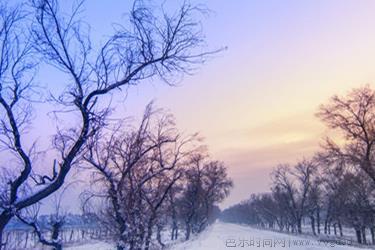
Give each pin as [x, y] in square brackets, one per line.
[254, 103]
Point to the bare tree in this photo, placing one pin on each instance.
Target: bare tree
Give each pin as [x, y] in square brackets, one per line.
[295, 183]
[353, 116]
[314, 204]
[205, 184]
[138, 169]
[16, 81]
[172, 209]
[149, 45]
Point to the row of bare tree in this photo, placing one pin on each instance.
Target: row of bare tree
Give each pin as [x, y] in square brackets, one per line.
[138, 174]
[151, 181]
[333, 190]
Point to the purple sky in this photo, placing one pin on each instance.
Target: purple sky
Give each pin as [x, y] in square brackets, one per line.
[255, 102]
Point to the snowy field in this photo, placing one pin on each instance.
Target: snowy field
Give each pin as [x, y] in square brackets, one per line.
[92, 246]
[231, 236]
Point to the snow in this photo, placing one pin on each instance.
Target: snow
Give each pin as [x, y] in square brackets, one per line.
[92, 246]
[232, 236]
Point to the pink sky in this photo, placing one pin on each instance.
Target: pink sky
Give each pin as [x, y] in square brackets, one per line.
[255, 102]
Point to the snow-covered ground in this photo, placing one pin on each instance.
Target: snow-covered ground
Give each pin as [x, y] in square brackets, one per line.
[93, 246]
[232, 236]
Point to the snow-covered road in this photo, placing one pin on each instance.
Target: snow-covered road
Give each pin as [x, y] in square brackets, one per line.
[232, 236]
[225, 236]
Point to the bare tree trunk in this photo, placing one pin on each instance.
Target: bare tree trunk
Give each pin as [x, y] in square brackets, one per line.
[149, 234]
[174, 221]
[364, 241]
[2, 245]
[318, 219]
[340, 229]
[325, 226]
[372, 230]
[27, 239]
[299, 225]
[71, 236]
[188, 231]
[334, 228]
[312, 218]
[176, 233]
[172, 233]
[358, 234]
[158, 236]
[4, 219]
[56, 231]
